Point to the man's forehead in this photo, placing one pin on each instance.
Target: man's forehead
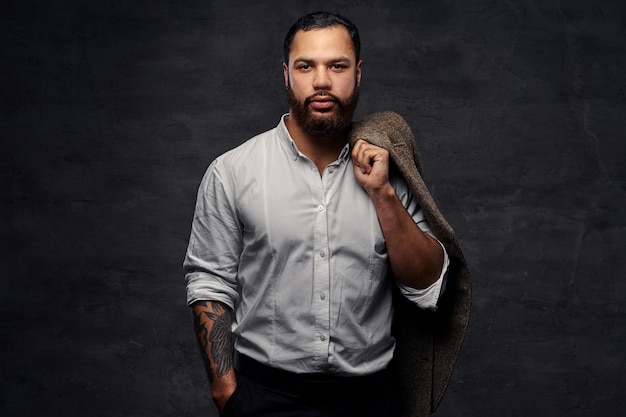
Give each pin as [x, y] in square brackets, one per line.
[332, 41]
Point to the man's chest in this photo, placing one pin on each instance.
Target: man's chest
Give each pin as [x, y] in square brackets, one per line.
[290, 205]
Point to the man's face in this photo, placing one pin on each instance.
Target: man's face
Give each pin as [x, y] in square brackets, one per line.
[322, 80]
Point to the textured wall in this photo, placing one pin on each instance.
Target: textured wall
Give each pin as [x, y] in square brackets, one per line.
[111, 111]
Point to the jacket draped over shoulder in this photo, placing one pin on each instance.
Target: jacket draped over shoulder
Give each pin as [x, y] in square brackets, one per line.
[427, 343]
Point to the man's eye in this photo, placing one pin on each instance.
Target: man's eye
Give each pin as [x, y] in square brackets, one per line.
[338, 66]
[304, 66]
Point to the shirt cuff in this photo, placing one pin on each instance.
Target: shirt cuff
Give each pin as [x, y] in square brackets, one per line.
[428, 298]
[205, 287]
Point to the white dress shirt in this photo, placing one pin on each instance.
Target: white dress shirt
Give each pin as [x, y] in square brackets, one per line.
[300, 258]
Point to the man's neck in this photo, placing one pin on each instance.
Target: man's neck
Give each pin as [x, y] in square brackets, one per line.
[322, 150]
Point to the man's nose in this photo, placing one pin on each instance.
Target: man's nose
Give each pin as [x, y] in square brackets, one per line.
[321, 79]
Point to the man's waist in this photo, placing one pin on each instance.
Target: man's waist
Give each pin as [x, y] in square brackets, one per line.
[301, 382]
[309, 359]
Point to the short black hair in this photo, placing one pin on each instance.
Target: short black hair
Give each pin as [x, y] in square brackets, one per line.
[320, 20]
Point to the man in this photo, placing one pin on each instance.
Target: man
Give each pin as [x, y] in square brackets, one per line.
[294, 241]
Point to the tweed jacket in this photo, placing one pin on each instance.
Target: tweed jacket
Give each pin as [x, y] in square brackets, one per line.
[427, 343]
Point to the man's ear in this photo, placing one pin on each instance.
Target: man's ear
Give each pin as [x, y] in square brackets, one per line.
[358, 72]
[286, 74]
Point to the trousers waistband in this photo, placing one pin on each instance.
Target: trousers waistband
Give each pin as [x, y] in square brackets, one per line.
[294, 382]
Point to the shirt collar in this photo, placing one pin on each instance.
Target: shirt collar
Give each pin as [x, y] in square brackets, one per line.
[286, 139]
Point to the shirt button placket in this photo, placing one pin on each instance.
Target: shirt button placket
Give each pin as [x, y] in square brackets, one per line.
[321, 278]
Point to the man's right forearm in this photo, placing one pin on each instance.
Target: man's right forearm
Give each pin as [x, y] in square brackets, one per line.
[212, 321]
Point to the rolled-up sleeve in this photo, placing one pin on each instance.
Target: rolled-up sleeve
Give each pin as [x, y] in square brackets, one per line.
[427, 298]
[212, 257]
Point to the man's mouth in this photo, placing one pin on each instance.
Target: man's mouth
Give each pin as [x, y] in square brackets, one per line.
[322, 102]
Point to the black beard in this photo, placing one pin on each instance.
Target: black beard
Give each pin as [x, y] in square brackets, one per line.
[330, 125]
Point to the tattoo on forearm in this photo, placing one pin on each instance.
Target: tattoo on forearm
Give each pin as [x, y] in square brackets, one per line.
[219, 339]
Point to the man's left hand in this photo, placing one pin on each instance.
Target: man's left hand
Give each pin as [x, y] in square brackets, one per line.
[371, 166]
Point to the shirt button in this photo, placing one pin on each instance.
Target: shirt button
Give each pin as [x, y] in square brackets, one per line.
[322, 253]
[322, 337]
[320, 207]
[323, 296]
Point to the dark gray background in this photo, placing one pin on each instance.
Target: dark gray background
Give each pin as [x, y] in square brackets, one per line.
[111, 111]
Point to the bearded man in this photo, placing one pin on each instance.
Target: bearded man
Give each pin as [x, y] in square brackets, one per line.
[294, 241]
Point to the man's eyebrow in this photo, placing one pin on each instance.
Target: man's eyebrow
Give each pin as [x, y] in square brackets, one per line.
[306, 60]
